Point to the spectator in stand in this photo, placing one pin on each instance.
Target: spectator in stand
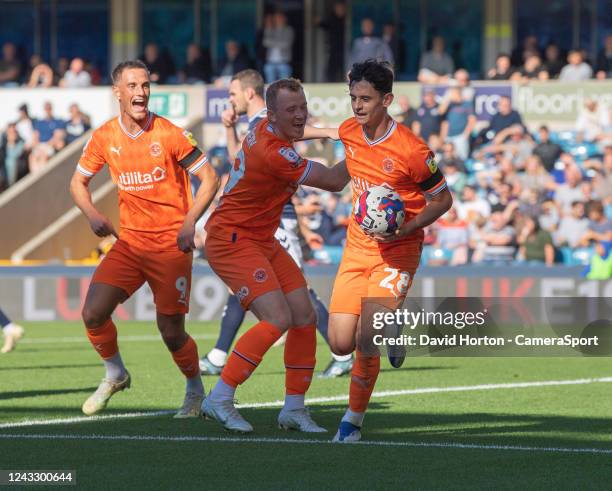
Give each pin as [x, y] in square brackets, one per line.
[570, 190]
[396, 45]
[472, 205]
[10, 66]
[600, 227]
[13, 158]
[502, 198]
[58, 140]
[532, 69]
[514, 142]
[333, 25]
[369, 46]
[455, 179]
[572, 227]
[499, 241]
[504, 118]
[462, 78]
[61, 67]
[408, 115]
[198, 68]
[452, 235]
[593, 120]
[278, 41]
[604, 60]
[503, 68]
[535, 244]
[577, 69]
[536, 177]
[553, 63]
[459, 121]
[76, 77]
[449, 157]
[428, 117]
[548, 151]
[77, 124]
[235, 61]
[435, 143]
[160, 64]
[39, 155]
[549, 217]
[48, 124]
[25, 126]
[41, 74]
[436, 65]
[519, 54]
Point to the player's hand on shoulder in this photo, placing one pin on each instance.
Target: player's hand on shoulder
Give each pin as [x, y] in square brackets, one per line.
[102, 226]
[186, 237]
[229, 117]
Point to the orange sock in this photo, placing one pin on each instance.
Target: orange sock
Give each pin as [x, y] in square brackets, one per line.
[104, 339]
[363, 377]
[248, 352]
[300, 358]
[186, 358]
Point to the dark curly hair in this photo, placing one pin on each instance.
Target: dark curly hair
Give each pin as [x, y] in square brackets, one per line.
[377, 73]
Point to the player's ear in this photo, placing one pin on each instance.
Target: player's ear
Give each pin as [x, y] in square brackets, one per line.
[387, 99]
[249, 93]
[116, 92]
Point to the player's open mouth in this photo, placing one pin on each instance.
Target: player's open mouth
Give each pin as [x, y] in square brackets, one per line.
[139, 104]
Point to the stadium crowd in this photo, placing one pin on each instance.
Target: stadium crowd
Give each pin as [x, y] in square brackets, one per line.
[28, 143]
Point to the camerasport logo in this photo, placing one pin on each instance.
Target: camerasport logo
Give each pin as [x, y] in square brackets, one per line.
[156, 149]
[260, 275]
[140, 181]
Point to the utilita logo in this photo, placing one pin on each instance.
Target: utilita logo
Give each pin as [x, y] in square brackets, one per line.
[140, 181]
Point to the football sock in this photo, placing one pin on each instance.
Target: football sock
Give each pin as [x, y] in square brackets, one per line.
[353, 417]
[186, 359]
[363, 377]
[115, 369]
[293, 401]
[222, 391]
[300, 358]
[217, 357]
[104, 339]
[4, 320]
[341, 357]
[248, 352]
[231, 320]
[322, 314]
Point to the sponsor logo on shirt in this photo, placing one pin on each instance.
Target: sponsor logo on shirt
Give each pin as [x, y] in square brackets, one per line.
[242, 293]
[140, 181]
[291, 156]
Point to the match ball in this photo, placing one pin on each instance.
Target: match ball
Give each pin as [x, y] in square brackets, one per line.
[379, 210]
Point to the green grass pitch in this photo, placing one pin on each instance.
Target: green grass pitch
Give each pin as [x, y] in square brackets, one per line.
[449, 439]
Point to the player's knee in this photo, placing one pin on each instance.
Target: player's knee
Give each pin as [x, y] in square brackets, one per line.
[281, 319]
[340, 345]
[304, 317]
[174, 341]
[93, 317]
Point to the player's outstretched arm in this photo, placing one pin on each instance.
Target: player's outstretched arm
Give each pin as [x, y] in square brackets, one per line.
[79, 189]
[229, 118]
[332, 179]
[203, 198]
[312, 133]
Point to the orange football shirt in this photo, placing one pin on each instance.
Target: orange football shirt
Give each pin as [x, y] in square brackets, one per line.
[149, 168]
[266, 172]
[398, 159]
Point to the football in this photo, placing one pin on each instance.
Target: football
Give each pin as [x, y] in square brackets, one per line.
[379, 210]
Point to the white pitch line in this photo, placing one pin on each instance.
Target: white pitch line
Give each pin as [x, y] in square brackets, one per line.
[377, 443]
[315, 400]
[122, 339]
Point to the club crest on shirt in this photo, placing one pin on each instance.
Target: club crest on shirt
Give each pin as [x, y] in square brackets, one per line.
[190, 138]
[431, 163]
[387, 165]
[260, 275]
[290, 155]
[156, 149]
